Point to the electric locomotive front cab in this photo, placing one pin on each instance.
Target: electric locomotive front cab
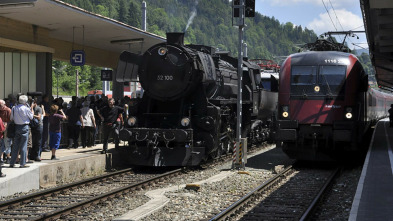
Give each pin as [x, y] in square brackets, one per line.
[319, 104]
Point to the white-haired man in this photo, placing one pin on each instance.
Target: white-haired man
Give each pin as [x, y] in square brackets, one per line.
[21, 114]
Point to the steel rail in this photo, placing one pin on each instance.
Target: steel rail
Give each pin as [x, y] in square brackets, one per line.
[66, 210]
[318, 197]
[21, 199]
[242, 201]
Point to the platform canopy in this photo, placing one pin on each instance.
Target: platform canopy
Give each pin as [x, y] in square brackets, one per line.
[57, 27]
[378, 21]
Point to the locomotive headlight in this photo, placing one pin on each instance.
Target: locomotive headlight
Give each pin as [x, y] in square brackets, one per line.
[131, 121]
[185, 121]
[162, 51]
[348, 113]
[285, 111]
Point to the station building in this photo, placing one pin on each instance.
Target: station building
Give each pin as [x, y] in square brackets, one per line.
[34, 32]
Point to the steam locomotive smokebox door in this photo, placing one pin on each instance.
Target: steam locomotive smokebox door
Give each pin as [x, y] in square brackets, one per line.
[166, 72]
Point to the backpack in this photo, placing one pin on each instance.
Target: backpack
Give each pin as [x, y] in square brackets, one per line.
[2, 128]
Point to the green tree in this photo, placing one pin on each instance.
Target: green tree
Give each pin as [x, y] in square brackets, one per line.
[135, 15]
[123, 11]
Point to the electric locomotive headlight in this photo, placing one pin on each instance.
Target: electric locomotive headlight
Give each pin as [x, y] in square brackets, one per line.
[162, 51]
[185, 121]
[285, 111]
[131, 121]
[348, 113]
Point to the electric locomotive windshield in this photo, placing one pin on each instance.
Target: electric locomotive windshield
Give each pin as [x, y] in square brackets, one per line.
[317, 82]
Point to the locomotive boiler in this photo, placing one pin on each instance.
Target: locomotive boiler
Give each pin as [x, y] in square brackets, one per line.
[188, 110]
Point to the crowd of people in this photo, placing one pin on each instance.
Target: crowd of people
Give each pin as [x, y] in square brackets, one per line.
[22, 140]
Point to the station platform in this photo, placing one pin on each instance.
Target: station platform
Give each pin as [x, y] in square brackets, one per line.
[374, 194]
[73, 164]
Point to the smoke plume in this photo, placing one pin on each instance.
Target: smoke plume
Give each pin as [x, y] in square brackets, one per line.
[193, 14]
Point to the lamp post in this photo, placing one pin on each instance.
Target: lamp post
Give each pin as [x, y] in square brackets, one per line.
[57, 80]
[57, 77]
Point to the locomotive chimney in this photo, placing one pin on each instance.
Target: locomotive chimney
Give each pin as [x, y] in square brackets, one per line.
[175, 38]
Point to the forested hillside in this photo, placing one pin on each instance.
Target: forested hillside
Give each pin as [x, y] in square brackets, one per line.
[211, 25]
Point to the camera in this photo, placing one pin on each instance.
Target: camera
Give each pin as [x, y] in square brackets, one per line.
[34, 95]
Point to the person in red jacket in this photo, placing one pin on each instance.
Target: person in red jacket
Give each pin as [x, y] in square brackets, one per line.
[2, 129]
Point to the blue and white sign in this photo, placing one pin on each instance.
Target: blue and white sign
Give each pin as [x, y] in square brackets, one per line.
[77, 58]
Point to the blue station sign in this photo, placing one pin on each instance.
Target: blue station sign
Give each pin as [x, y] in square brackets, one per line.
[77, 58]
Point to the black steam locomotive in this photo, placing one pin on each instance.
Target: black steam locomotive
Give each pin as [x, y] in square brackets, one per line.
[188, 110]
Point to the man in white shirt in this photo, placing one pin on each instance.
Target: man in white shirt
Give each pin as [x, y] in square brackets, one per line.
[21, 114]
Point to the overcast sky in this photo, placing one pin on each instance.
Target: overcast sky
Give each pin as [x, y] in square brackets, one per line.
[344, 15]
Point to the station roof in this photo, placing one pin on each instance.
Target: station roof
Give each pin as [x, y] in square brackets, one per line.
[67, 23]
[378, 20]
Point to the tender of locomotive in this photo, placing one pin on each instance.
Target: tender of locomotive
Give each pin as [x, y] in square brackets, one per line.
[188, 110]
[325, 105]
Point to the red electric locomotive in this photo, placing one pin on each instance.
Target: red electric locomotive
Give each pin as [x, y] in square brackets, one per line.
[325, 105]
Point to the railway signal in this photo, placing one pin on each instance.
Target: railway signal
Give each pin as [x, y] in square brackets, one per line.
[238, 20]
[250, 8]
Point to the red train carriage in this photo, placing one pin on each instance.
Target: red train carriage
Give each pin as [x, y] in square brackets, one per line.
[325, 105]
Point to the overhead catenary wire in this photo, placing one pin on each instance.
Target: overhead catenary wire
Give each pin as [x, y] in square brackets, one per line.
[327, 10]
[338, 20]
[329, 15]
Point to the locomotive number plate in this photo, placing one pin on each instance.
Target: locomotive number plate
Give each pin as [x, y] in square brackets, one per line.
[164, 77]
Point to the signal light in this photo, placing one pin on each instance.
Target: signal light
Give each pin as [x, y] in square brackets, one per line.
[250, 8]
[236, 12]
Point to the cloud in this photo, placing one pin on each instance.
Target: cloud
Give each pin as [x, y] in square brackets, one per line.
[348, 21]
[328, 3]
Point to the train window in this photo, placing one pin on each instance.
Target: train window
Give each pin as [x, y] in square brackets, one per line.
[331, 79]
[266, 84]
[303, 79]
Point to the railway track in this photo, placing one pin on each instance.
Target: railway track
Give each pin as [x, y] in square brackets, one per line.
[275, 200]
[56, 202]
